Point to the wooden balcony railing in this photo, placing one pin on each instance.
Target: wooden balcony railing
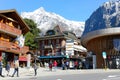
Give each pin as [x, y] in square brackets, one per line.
[12, 47]
[9, 29]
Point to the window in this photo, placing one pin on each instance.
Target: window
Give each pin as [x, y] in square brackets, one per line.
[57, 41]
[116, 43]
[50, 32]
[49, 42]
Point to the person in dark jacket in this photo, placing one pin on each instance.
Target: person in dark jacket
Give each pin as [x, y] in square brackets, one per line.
[1, 66]
[35, 68]
[50, 65]
[7, 68]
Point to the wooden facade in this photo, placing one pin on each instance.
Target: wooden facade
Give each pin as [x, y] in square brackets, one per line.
[11, 26]
[110, 44]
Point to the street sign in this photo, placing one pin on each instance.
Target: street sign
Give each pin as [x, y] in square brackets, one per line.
[104, 55]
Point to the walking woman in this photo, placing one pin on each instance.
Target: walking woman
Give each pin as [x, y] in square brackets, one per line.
[55, 65]
[8, 68]
[16, 68]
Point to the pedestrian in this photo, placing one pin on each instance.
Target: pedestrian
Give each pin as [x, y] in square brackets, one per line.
[55, 65]
[1, 66]
[76, 64]
[35, 68]
[63, 65]
[7, 68]
[50, 65]
[67, 64]
[16, 68]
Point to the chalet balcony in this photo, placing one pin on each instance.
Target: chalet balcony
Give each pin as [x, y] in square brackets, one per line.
[9, 29]
[12, 47]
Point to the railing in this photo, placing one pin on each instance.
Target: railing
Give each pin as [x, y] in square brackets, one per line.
[12, 47]
[48, 47]
[9, 29]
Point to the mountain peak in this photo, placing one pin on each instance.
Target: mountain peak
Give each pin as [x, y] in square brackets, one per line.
[48, 20]
[111, 4]
[40, 10]
[106, 16]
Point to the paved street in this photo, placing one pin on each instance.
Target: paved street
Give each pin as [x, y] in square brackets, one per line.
[45, 74]
[86, 76]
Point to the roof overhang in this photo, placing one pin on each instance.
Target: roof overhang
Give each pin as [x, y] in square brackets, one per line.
[99, 33]
[12, 13]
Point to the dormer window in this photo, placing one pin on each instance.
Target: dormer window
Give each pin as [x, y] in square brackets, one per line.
[50, 32]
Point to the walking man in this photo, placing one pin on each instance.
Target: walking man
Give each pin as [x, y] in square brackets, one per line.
[35, 68]
[1, 68]
[16, 68]
[67, 64]
[50, 65]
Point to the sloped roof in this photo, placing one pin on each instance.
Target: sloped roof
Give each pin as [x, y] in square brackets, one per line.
[70, 35]
[57, 32]
[12, 13]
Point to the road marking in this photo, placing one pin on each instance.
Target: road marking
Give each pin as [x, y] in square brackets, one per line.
[59, 79]
[112, 76]
[34, 78]
[104, 79]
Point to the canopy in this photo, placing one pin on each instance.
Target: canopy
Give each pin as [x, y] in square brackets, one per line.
[80, 48]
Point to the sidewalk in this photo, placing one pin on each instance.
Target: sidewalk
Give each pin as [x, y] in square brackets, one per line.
[29, 73]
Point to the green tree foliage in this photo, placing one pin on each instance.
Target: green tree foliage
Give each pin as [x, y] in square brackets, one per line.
[32, 34]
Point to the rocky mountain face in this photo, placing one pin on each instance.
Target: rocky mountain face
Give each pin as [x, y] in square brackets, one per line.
[106, 16]
[48, 20]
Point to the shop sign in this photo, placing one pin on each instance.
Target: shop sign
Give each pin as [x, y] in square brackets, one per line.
[104, 55]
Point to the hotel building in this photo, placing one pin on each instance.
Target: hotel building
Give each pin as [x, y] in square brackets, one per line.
[60, 44]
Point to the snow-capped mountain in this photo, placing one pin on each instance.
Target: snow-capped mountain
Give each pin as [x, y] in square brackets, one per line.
[106, 16]
[48, 20]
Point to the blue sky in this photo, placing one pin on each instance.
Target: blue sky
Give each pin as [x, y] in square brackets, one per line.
[77, 10]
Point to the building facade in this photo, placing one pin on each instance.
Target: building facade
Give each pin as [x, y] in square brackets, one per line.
[60, 44]
[104, 40]
[12, 26]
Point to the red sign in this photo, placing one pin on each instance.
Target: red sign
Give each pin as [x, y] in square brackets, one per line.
[22, 58]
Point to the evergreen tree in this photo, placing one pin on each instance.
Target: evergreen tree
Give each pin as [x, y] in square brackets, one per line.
[32, 34]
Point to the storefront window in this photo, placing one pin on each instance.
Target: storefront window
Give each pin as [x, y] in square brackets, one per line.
[116, 43]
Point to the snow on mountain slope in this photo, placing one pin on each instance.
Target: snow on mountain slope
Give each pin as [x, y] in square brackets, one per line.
[106, 16]
[48, 20]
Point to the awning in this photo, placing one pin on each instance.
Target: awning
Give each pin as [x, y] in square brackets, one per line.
[49, 57]
[0, 58]
[80, 48]
[22, 58]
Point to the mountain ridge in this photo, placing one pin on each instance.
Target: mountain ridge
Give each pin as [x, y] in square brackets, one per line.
[106, 16]
[48, 20]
